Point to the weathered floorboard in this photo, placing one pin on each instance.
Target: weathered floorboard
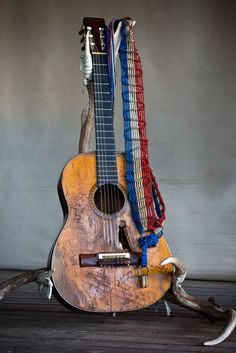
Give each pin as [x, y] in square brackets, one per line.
[31, 324]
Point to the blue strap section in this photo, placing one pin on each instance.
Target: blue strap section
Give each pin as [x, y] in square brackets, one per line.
[146, 242]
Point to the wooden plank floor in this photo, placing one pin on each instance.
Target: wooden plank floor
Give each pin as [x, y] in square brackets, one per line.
[31, 324]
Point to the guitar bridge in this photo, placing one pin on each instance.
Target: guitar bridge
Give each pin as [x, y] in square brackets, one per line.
[110, 259]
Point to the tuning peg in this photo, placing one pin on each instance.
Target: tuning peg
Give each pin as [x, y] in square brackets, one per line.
[82, 30]
[83, 38]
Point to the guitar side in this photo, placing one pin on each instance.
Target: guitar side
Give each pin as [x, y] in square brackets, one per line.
[100, 289]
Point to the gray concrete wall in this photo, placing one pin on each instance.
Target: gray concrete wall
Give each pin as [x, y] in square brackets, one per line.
[189, 59]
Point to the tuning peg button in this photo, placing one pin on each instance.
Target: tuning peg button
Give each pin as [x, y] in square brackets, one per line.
[82, 30]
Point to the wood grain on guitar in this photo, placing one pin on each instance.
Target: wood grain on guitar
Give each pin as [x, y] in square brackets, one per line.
[94, 288]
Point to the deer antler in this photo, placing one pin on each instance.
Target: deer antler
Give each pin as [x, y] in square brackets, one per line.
[210, 308]
[15, 282]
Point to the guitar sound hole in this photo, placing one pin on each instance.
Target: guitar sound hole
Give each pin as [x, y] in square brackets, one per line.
[109, 199]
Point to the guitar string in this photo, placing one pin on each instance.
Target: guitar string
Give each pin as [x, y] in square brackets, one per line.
[102, 68]
[107, 195]
[99, 145]
[113, 172]
[103, 173]
[110, 171]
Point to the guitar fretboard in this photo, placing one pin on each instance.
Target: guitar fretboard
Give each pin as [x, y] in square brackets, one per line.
[104, 124]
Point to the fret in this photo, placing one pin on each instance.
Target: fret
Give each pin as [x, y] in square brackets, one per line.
[102, 83]
[107, 130]
[106, 175]
[105, 141]
[112, 169]
[103, 119]
[106, 108]
[102, 145]
[107, 171]
[104, 116]
[103, 109]
[106, 163]
[102, 149]
[109, 124]
[101, 101]
[101, 124]
[104, 125]
[100, 62]
[106, 138]
[106, 150]
[108, 178]
[108, 181]
[106, 135]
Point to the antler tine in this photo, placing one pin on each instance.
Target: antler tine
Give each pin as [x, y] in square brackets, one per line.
[209, 308]
[230, 317]
[13, 283]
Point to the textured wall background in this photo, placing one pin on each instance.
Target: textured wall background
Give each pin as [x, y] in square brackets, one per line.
[189, 58]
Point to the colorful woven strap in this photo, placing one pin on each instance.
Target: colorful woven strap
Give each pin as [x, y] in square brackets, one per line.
[147, 205]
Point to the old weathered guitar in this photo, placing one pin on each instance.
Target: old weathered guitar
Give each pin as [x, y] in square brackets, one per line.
[96, 256]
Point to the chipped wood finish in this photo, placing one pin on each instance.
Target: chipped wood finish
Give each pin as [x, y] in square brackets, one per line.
[101, 289]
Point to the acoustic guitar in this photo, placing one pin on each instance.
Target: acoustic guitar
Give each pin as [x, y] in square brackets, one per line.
[96, 256]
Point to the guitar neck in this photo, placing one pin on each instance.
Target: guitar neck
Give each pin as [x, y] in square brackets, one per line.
[104, 122]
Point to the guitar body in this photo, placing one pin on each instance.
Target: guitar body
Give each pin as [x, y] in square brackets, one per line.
[87, 230]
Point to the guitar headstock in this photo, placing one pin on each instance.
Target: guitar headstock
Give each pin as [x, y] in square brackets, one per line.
[95, 29]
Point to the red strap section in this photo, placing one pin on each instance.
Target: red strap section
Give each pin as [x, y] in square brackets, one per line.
[153, 222]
